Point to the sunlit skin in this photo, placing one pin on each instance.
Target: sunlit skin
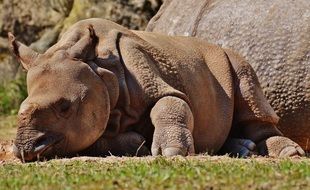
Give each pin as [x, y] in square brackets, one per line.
[104, 88]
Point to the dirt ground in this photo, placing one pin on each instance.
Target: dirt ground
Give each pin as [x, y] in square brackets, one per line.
[6, 152]
[6, 156]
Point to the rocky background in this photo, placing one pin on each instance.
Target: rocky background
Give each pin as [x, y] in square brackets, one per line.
[40, 23]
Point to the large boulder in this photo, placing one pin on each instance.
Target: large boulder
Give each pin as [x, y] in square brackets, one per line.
[273, 36]
[40, 23]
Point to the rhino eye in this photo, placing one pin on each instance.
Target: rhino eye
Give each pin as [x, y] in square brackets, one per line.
[63, 107]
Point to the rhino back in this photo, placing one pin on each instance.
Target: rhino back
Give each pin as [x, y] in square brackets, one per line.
[273, 36]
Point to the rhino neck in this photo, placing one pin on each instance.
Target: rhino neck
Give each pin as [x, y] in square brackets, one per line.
[130, 103]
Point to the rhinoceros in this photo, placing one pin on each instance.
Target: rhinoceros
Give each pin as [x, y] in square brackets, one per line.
[102, 86]
[273, 36]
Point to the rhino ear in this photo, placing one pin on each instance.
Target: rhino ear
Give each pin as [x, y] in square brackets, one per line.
[24, 54]
[85, 48]
[110, 81]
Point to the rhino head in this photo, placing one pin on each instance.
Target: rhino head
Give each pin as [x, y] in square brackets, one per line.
[69, 98]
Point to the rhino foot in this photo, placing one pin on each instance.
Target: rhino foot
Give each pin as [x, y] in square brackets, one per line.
[172, 151]
[182, 144]
[173, 122]
[279, 146]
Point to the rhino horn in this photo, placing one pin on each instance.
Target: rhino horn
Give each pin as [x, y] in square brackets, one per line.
[24, 54]
[85, 48]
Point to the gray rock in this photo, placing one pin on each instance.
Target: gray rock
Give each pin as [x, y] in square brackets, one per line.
[40, 23]
[273, 36]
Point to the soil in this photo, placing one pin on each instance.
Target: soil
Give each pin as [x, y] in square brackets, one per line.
[6, 152]
[6, 156]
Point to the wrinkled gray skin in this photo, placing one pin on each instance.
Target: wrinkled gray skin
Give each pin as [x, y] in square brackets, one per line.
[103, 88]
[273, 36]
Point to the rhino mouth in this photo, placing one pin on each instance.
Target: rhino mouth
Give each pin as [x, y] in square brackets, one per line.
[40, 150]
[43, 144]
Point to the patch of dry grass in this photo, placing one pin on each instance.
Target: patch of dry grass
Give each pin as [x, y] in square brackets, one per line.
[7, 127]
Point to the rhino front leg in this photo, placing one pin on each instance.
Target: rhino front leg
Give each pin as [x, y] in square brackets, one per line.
[173, 122]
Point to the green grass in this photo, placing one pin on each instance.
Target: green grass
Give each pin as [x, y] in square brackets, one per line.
[159, 173]
[11, 95]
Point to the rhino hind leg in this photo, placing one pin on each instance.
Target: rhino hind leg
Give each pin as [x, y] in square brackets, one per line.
[254, 117]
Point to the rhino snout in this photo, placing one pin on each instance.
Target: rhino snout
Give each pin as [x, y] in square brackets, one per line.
[27, 108]
[25, 112]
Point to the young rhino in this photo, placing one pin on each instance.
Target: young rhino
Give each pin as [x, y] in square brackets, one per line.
[105, 88]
